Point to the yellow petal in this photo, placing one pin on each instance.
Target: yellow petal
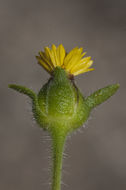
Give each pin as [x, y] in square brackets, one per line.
[82, 64]
[69, 56]
[61, 54]
[42, 63]
[73, 58]
[76, 60]
[82, 71]
[51, 55]
[73, 61]
[54, 52]
[82, 68]
[46, 60]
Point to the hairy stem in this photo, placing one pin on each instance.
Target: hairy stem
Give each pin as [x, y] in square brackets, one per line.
[58, 138]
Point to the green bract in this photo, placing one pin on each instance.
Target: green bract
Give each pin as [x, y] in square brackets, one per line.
[59, 102]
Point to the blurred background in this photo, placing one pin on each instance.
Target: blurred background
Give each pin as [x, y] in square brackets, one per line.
[95, 157]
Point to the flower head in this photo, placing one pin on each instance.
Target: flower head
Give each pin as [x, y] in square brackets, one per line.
[73, 62]
[59, 107]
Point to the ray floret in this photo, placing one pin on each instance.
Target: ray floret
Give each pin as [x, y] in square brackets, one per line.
[74, 62]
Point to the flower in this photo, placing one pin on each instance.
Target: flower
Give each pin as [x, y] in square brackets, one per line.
[59, 107]
[73, 62]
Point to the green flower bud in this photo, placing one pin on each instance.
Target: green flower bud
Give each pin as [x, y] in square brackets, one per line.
[60, 104]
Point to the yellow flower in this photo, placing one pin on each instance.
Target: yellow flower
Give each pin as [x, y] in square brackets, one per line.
[73, 62]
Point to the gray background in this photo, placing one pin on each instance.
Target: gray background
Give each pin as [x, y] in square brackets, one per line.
[96, 157]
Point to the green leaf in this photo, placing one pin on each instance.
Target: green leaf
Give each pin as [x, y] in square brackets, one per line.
[23, 90]
[101, 95]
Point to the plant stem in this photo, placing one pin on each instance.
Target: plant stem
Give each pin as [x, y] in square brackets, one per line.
[57, 150]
